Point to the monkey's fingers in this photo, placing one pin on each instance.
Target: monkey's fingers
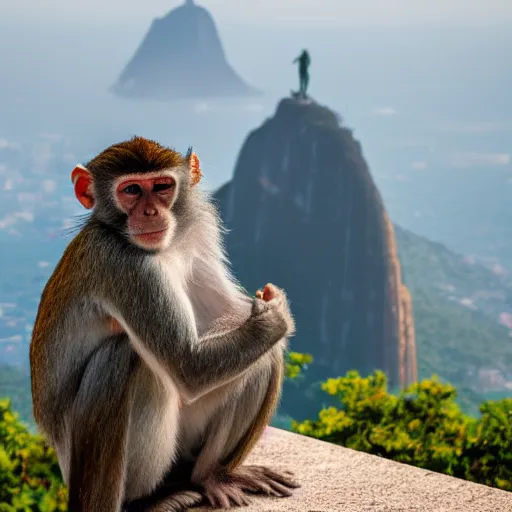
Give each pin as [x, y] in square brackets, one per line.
[259, 294]
[279, 490]
[265, 480]
[268, 292]
[236, 495]
[283, 477]
[225, 494]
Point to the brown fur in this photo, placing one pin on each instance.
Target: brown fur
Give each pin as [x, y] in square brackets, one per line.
[137, 155]
[253, 435]
[55, 299]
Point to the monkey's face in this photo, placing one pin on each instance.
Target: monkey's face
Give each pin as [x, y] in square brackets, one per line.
[145, 203]
[147, 200]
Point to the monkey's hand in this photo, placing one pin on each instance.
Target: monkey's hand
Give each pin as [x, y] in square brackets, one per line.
[271, 307]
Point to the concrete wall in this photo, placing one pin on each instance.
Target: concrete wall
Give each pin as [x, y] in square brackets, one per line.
[336, 479]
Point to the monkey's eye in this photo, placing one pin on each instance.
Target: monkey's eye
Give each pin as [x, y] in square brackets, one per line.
[132, 190]
[159, 187]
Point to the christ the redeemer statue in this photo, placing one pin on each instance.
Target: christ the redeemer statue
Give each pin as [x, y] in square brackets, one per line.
[304, 61]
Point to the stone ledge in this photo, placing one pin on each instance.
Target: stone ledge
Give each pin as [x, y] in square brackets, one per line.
[337, 479]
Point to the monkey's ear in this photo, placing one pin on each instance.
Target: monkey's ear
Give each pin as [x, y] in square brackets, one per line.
[82, 180]
[194, 167]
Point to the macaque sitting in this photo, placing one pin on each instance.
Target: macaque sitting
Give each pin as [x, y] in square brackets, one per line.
[148, 360]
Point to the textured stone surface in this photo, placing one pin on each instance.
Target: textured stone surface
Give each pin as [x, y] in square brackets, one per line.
[336, 479]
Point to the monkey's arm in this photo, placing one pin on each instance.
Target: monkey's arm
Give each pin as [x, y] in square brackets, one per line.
[163, 332]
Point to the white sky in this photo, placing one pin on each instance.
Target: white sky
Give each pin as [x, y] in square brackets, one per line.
[295, 12]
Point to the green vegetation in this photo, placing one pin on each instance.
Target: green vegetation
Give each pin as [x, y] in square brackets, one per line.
[295, 364]
[456, 307]
[30, 478]
[423, 427]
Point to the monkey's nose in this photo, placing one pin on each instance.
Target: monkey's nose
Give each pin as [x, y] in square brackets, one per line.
[150, 212]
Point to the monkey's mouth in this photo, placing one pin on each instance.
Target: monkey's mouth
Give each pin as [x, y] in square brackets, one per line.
[150, 236]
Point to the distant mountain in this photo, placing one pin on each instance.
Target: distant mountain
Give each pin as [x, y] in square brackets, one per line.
[463, 318]
[303, 212]
[181, 56]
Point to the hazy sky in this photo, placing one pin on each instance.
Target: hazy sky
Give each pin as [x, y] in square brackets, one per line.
[333, 12]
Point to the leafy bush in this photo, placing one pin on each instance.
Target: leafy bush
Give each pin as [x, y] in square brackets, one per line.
[422, 426]
[30, 479]
[295, 364]
[452, 340]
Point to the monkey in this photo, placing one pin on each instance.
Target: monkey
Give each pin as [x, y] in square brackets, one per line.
[146, 354]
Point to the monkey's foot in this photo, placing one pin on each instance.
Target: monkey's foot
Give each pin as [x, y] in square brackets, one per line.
[263, 480]
[224, 494]
[223, 490]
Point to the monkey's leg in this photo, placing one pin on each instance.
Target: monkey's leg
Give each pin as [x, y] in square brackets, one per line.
[208, 473]
[218, 468]
[99, 422]
[154, 482]
[262, 479]
[122, 437]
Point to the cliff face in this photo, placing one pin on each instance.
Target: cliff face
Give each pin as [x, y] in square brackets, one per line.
[181, 56]
[407, 362]
[304, 213]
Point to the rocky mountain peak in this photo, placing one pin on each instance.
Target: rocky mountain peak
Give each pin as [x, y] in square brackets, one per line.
[303, 212]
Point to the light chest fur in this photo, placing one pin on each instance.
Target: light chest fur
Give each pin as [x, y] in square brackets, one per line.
[204, 287]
